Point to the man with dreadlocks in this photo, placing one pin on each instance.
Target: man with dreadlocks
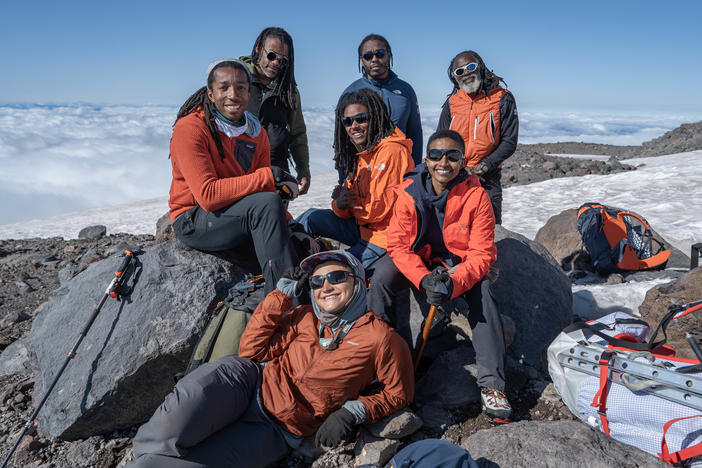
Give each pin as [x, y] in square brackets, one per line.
[375, 61]
[275, 100]
[485, 115]
[373, 155]
[223, 192]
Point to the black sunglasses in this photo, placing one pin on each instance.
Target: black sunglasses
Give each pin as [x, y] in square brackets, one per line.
[334, 277]
[360, 118]
[452, 155]
[270, 55]
[380, 53]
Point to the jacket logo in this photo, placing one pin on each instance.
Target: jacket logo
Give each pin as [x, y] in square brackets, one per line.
[464, 227]
[380, 167]
[352, 342]
[397, 91]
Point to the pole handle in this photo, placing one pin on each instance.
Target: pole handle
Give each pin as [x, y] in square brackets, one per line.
[425, 334]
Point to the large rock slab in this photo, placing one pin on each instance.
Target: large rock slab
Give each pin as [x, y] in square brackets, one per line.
[125, 365]
[561, 238]
[534, 292]
[553, 444]
[686, 289]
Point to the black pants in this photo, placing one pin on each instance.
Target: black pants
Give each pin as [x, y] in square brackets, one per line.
[483, 317]
[493, 186]
[257, 218]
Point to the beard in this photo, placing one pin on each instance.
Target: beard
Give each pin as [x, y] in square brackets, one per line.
[471, 83]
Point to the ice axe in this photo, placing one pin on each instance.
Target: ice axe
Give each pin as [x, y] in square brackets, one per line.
[114, 290]
[427, 325]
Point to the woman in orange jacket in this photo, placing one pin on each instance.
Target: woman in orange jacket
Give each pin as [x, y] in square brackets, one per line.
[377, 156]
[318, 358]
[223, 192]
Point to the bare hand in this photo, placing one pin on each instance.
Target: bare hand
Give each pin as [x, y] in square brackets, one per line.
[304, 185]
[346, 198]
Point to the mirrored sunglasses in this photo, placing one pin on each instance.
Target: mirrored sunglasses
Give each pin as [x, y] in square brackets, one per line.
[334, 277]
[360, 118]
[452, 155]
[470, 68]
[380, 53]
[271, 56]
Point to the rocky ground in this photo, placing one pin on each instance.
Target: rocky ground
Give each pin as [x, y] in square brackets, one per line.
[29, 272]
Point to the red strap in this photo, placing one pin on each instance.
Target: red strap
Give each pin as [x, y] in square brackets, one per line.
[680, 455]
[600, 400]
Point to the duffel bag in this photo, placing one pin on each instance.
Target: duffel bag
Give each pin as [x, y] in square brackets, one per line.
[633, 390]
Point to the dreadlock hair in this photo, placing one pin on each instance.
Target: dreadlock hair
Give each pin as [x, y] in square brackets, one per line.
[373, 37]
[200, 99]
[489, 79]
[285, 87]
[379, 126]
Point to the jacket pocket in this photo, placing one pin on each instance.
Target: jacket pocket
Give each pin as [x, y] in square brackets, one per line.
[244, 153]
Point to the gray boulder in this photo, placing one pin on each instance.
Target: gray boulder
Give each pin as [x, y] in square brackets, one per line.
[164, 229]
[450, 382]
[15, 359]
[125, 365]
[534, 292]
[553, 444]
[371, 450]
[397, 425]
[92, 232]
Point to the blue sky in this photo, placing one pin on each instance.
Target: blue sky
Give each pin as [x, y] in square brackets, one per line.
[633, 56]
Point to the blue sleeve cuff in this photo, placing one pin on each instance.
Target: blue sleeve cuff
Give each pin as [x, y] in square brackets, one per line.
[287, 286]
[356, 408]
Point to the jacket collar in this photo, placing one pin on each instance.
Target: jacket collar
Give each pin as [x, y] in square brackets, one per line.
[380, 83]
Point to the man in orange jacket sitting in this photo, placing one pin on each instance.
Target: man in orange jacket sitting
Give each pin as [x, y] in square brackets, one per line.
[376, 155]
[441, 241]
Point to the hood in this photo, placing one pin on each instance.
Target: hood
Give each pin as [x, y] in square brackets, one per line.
[357, 306]
[397, 136]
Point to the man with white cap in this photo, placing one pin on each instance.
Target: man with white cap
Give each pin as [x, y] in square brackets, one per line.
[318, 360]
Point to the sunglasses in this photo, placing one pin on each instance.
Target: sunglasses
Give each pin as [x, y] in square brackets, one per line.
[470, 68]
[271, 56]
[334, 277]
[380, 53]
[452, 155]
[360, 118]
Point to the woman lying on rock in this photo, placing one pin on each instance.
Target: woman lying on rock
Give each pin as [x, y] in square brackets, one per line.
[296, 375]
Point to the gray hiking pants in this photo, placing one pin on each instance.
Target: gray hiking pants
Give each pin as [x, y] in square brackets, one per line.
[258, 218]
[212, 418]
[484, 319]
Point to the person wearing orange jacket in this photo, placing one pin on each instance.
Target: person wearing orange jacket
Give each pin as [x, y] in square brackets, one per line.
[376, 154]
[441, 241]
[318, 359]
[485, 115]
[223, 192]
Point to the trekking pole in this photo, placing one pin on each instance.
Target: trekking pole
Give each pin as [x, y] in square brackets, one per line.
[114, 290]
[425, 334]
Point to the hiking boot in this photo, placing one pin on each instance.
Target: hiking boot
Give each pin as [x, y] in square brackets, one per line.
[495, 405]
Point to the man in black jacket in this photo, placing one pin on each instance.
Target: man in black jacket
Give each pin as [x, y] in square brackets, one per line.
[275, 100]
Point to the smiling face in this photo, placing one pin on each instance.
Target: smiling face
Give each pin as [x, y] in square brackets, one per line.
[229, 92]
[333, 298]
[357, 132]
[468, 82]
[443, 171]
[377, 67]
[268, 70]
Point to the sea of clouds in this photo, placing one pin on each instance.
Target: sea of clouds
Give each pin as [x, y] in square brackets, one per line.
[65, 158]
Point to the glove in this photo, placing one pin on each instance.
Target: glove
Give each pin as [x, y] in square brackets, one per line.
[285, 184]
[293, 282]
[438, 286]
[338, 427]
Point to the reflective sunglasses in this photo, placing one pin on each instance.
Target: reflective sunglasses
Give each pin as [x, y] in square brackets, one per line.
[360, 118]
[270, 55]
[452, 155]
[470, 68]
[334, 277]
[380, 53]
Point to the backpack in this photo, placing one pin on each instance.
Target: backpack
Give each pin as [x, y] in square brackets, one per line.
[222, 334]
[633, 390]
[619, 241]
